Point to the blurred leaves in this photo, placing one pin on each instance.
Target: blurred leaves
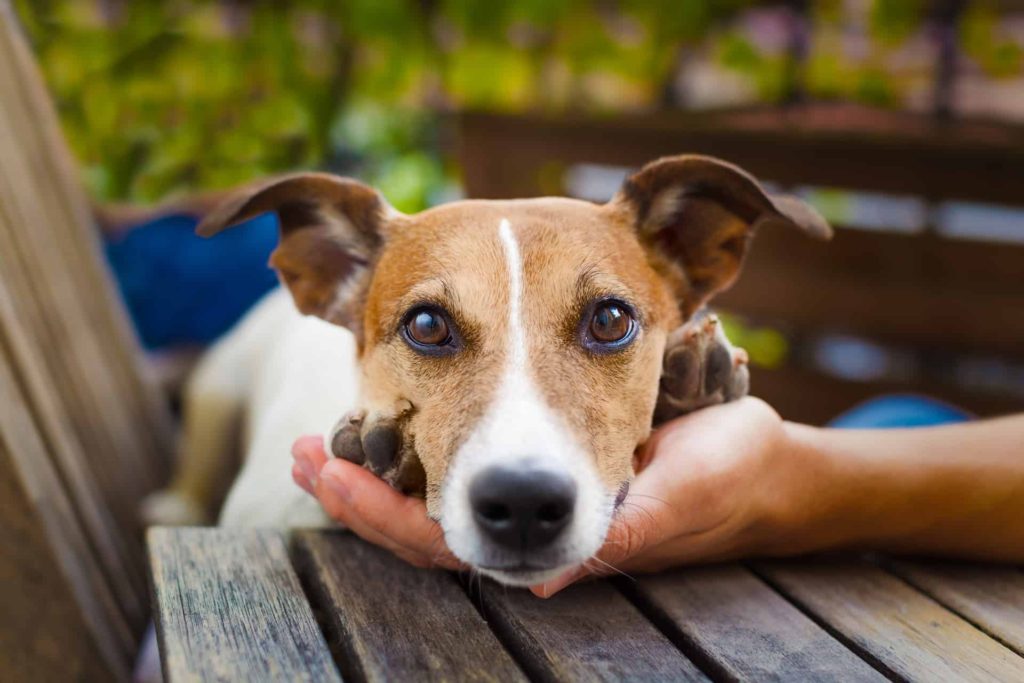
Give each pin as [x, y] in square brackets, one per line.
[172, 96]
[999, 55]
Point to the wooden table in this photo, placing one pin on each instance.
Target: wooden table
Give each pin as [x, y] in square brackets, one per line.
[322, 606]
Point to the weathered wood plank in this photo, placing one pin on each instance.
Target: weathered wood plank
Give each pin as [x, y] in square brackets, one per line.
[147, 413]
[40, 395]
[991, 597]
[107, 435]
[59, 619]
[885, 619]
[229, 607]
[389, 621]
[738, 628]
[588, 632]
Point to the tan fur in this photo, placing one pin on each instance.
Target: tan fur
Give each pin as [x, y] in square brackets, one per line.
[452, 256]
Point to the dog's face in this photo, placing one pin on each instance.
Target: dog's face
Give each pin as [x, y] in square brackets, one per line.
[527, 335]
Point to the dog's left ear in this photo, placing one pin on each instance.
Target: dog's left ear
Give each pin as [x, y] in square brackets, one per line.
[331, 229]
[701, 214]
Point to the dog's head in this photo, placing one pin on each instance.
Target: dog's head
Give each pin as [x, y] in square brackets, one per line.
[527, 335]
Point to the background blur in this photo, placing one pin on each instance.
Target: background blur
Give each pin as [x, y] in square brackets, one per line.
[902, 121]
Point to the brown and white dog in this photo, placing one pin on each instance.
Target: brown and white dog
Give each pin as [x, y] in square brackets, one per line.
[504, 359]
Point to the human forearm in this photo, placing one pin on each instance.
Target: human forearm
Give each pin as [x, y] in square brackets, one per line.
[956, 490]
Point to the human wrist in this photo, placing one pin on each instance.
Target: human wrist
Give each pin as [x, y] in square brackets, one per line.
[852, 496]
[827, 500]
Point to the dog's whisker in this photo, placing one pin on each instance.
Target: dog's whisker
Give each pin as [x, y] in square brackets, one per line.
[640, 508]
[595, 558]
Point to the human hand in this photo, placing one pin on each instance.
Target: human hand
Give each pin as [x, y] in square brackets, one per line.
[713, 485]
[371, 508]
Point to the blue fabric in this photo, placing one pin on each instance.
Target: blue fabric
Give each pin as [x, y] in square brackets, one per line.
[182, 289]
[888, 412]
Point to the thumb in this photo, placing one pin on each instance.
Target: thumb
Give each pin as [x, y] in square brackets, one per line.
[630, 533]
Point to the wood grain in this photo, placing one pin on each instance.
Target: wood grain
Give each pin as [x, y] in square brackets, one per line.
[390, 621]
[738, 628]
[59, 618]
[588, 632]
[230, 608]
[991, 597]
[899, 628]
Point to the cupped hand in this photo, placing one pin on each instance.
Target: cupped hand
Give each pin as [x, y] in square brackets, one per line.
[712, 485]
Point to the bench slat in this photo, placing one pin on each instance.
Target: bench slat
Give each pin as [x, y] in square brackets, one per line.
[900, 628]
[589, 632]
[392, 621]
[742, 628]
[230, 608]
[990, 597]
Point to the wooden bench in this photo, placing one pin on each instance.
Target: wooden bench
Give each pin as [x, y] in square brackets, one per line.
[320, 606]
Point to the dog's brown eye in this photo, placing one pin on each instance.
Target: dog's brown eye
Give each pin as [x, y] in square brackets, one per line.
[611, 323]
[428, 328]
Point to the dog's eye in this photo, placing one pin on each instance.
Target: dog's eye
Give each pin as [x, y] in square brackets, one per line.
[427, 327]
[612, 325]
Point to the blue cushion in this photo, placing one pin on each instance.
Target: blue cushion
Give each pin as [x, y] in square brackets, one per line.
[182, 289]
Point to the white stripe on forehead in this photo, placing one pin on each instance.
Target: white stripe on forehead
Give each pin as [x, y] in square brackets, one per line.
[519, 430]
[514, 261]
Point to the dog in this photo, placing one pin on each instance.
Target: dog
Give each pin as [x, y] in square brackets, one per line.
[502, 359]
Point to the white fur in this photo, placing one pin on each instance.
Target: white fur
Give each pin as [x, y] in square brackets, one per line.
[294, 376]
[520, 430]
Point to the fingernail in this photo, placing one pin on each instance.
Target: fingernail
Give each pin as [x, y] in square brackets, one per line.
[337, 486]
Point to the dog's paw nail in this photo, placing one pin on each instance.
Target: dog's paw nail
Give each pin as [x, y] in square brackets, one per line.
[380, 444]
[740, 385]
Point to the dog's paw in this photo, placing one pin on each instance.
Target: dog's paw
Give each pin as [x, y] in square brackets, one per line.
[701, 368]
[382, 443]
[171, 508]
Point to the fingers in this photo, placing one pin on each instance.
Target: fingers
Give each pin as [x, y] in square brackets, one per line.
[370, 507]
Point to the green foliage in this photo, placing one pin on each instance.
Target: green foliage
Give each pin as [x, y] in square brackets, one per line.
[998, 55]
[170, 96]
[868, 77]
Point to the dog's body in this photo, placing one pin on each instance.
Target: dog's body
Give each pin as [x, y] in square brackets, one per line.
[276, 376]
[502, 359]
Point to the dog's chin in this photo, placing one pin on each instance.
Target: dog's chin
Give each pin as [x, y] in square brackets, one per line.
[524, 577]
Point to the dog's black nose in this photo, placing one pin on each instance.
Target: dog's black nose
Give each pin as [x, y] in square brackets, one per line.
[522, 510]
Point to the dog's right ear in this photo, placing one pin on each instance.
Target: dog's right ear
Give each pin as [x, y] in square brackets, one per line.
[330, 232]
